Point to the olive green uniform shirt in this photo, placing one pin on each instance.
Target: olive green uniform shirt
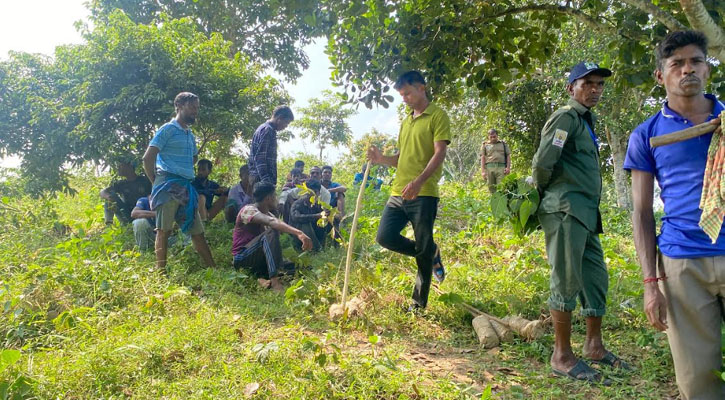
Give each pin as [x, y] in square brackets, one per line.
[495, 152]
[566, 166]
[415, 141]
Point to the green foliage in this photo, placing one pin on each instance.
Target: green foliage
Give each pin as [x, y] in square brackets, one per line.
[104, 99]
[328, 212]
[8, 357]
[485, 45]
[356, 155]
[93, 318]
[516, 201]
[451, 299]
[325, 121]
[271, 33]
[18, 387]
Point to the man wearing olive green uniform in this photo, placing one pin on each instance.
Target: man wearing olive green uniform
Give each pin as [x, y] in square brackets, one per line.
[495, 160]
[566, 172]
[423, 139]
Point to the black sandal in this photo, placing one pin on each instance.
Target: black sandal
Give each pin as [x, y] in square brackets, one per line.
[583, 372]
[612, 361]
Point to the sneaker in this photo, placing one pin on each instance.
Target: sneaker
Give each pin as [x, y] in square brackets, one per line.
[439, 272]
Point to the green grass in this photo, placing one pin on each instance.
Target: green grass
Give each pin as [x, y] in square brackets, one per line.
[92, 318]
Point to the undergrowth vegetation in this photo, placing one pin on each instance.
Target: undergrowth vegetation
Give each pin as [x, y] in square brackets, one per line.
[85, 315]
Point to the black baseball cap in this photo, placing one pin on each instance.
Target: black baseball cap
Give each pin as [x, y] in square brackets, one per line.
[585, 68]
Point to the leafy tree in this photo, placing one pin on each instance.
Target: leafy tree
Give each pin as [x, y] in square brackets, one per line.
[271, 33]
[357, 150]
[105, 98]
[325, 121]
[482, 44]
[486, 44]
[33, 119]
[468, 126]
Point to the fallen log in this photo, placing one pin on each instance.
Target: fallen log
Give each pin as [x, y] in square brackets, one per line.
[529, 330]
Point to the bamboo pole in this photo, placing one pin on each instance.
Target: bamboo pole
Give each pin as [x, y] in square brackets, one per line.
[679, 136]
[351, 242]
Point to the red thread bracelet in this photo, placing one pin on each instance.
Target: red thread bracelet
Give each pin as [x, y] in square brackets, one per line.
[650, 280]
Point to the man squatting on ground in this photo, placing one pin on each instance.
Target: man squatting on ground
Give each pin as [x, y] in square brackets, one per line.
[239, 195]
[688, 304]
[422, 142]
[207, 189]
[305, 213]
[169, 164]
[337, 200]
[122, 195]
[255, 242]
[566, 172]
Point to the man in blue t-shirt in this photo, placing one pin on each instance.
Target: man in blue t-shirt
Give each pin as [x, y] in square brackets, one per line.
[685, 283]
[358, 178]
[169, 165]
[207, 190]
[337, 191]
[144, 221]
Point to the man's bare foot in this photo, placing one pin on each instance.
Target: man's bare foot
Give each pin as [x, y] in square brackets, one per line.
[264, 283]
[276, 285]
[273, 284]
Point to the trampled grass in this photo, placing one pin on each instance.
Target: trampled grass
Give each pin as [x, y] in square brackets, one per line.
[92, 318]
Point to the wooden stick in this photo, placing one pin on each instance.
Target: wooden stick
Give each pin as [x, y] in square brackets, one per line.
[679, 136]
[473, 310]
[352, 238]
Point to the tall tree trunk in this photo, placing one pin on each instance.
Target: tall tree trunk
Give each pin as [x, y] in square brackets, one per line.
[700, 19]
[618, 144]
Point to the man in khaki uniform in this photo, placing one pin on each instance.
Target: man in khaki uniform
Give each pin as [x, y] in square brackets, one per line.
[495, 160]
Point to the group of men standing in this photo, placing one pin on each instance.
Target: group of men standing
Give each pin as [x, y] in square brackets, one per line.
[684, 272]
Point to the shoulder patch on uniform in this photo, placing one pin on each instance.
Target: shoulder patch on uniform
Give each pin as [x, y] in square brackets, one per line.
[566, 107]
[559, 138]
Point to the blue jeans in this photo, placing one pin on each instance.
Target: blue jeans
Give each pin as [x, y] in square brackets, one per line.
[421, 213]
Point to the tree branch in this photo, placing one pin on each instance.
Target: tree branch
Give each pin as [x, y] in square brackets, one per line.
[701, 20]
[668, 20]
[574, 12]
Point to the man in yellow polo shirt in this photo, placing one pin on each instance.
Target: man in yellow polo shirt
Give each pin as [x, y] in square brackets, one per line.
[422, 142]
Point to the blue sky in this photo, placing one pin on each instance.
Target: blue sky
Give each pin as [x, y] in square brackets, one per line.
[37, 26]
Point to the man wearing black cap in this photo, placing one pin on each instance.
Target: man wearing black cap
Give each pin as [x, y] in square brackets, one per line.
[566, 172]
